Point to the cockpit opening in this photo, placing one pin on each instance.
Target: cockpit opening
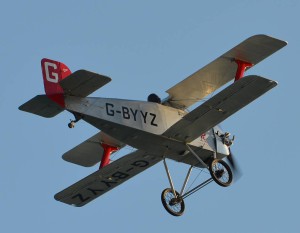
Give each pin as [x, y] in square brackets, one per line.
[154, 98]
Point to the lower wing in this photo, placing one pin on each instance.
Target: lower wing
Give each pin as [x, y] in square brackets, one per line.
[219, 107]
[107, 178]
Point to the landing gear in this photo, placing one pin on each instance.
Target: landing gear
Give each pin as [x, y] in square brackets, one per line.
[71, 125]
[221, 172]
[173, 204]
[173, 201]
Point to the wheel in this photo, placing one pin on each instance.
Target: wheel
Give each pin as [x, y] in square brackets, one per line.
[220, 172]
[174, 206]
[71, 125]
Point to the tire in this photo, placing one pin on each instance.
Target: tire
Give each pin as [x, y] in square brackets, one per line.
[221, 172]
[176, 209]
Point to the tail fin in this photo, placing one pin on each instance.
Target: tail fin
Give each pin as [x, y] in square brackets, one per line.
[53, 73]
[59, 82]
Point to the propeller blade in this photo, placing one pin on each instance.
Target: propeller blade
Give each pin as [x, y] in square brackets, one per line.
[235, 168]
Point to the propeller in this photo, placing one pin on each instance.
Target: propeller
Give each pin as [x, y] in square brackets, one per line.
[235, 168]
[230, 158]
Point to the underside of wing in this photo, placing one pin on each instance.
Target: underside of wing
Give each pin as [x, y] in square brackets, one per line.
[90, 152]
[106, 178]
[217, 73]
[219, 107]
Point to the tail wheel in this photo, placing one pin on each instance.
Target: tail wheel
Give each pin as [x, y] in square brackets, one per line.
[221, 172]
[174, 205]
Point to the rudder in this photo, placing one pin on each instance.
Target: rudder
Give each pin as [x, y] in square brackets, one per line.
[53, 73]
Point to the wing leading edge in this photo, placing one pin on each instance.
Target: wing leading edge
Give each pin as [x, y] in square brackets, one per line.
[219, 107]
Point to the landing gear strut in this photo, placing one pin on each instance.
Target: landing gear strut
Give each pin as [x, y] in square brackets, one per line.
[173, 201]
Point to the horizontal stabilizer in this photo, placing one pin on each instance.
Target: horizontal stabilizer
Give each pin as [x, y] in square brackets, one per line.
[41, 105]
[219, 107]
[82, 83]
[90, 152]
[106, 178]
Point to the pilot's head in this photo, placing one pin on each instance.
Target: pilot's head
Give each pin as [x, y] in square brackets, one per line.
[154, 98]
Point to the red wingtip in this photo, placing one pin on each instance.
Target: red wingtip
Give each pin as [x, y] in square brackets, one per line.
[53, 73]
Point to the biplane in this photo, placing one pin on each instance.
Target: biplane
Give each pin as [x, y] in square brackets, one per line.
[157, 129]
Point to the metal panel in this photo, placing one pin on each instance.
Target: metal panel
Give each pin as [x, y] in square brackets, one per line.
[107, 178]
[217, 73]
[41, 105]
[90, 152]
[219, 107]
[82, 83]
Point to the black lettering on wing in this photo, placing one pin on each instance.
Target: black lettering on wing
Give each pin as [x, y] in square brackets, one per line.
[120, 175]
[108, 183]
[140, 163]
[94, 191]
[81, 198]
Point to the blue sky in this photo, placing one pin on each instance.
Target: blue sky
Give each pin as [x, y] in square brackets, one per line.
[145, 47]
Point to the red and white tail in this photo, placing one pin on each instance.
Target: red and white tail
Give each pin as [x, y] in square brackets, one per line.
[53, 73]
[81, 83]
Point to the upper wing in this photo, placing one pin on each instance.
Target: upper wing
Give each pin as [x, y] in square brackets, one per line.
[106, 178]
[222, 70]
[90, 152]
[219, 107]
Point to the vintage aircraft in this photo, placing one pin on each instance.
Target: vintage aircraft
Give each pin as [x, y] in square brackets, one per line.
[157, 129]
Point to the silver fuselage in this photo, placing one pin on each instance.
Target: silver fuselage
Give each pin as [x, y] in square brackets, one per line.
[142, 124]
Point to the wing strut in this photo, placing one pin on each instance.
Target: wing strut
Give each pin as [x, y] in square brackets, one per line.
[242, 66]
[108, 149]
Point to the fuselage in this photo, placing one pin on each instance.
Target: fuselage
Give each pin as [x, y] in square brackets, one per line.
[142, 124]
